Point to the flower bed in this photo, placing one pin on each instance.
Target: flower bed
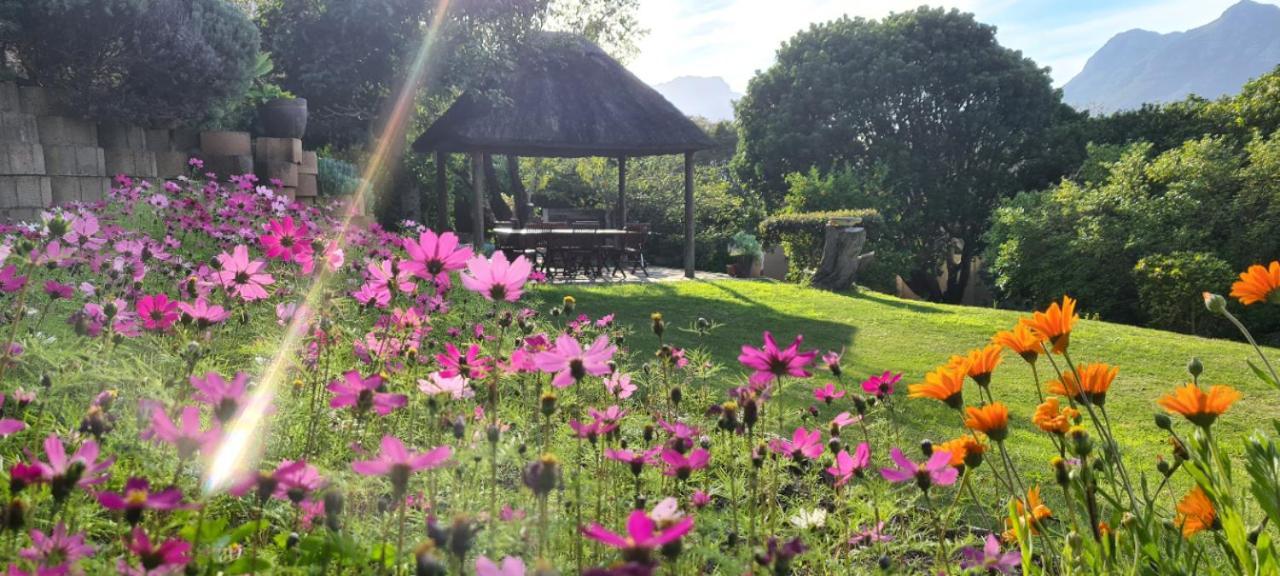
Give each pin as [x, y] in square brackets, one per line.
[210, 378]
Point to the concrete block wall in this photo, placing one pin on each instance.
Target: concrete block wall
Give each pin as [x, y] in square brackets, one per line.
[48, 159]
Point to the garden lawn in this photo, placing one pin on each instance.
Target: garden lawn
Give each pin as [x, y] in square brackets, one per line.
[880, 332]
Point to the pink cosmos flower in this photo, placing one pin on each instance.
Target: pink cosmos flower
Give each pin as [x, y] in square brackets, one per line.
[571, 364]
[388, 274]
[396, 462]
[57, 291]
[137, 497]
[881, 385]
[10, 426]
[989, 560]
[168, 558]
[436, 383]
[225, 398]
[285, 241]
[495, 278]
[363, 394]
[772, 362]
[241, 277]
[56, 548]
[432, 257]
[82, 469]
[700, 499]
[297, 480]
[871, 535]
[470, 365]
[844, 419]
[372, 294]
[511, 566]
[185, 435]
[157, 312]
[642, 536]
[846, 466]
[637, 460]
[680, 465]
[10, 280]
[827, 393]
[202, 313]
[803, 444]
[832, 360]
[619, 385]
[936, 471]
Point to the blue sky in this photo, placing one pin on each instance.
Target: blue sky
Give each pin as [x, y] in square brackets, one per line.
[734, 38]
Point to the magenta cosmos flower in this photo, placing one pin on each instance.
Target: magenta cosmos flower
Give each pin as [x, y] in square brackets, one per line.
[570, 363]
[157, 312]
[803, 444]
[989, 560]
[496, 278]
[137, 497]
[241, 277]
[511, 566]
[396, 462]
[846, 466]
[57, 550]
[364, 393]
[771, 362]
[682, 466]
[184, 434]
[936, 471]
[202, 313]
[881, 385]
[286, 241]
[642, 536]
[82, 469]
[432, 257]
[225, 398]
[169, 557]
[827, 393]
[9, 425]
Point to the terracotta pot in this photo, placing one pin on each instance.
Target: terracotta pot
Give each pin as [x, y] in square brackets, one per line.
[284, 117]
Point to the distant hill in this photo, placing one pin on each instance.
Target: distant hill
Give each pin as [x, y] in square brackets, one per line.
[1216, 59]
[708, 97]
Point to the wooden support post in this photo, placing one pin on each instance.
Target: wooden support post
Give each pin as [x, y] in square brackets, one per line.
[442, 192]
[478, 199]
[622, 192]
[688, 215]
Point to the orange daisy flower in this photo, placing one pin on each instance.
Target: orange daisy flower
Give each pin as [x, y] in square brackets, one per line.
[1053, 419]
[944, 384]
[980, 363]
[1021, 340]
[992, 420]
[1197, 406]
[965, 451]
[1257, 284]
[1196, 513]
[1094, 381]
[1054, 324]
[1038, 512]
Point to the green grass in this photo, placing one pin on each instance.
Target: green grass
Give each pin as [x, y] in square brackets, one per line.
[880, 332]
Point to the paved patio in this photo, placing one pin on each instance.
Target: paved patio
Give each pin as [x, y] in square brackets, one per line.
[656, 274]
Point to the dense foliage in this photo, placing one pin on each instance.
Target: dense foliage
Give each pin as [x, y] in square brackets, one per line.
[1137, 217]
[927, 99]
[801, 236]
[148, 62]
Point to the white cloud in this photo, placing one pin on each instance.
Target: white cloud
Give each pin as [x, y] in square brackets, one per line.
[735, 38]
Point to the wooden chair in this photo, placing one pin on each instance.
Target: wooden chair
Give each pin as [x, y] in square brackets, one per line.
[632, 251]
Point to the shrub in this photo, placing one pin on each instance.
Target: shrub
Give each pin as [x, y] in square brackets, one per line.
[1170, 287]
[145, 62]
[801, 236]
[337, 177]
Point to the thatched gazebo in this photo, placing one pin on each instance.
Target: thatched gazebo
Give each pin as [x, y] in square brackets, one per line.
[566, 98]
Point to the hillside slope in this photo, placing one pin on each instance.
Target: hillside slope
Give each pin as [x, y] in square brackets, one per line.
[881, 332]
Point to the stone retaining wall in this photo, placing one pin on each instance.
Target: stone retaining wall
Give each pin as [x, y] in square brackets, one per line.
[47, 159]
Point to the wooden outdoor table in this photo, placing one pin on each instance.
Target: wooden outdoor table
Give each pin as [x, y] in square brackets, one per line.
[535, 232]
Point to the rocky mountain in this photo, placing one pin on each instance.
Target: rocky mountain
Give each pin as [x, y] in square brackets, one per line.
[708, 97]
[1141, 66]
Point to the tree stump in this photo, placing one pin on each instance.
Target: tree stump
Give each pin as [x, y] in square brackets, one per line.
[841, 256]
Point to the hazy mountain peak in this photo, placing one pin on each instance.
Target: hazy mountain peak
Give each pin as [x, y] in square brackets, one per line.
[707, 96]
[1139, 66]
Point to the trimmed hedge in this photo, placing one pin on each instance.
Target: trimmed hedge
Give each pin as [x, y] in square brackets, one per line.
[801, 235]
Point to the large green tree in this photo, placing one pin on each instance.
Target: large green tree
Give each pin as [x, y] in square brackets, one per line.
[928, 98]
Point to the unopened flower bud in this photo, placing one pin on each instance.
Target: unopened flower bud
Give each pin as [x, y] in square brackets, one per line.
[1195, 367]
[1215, 303]
[1162, 421]
[926, 447]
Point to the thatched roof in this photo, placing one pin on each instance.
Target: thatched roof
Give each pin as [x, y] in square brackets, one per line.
[566, 98]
